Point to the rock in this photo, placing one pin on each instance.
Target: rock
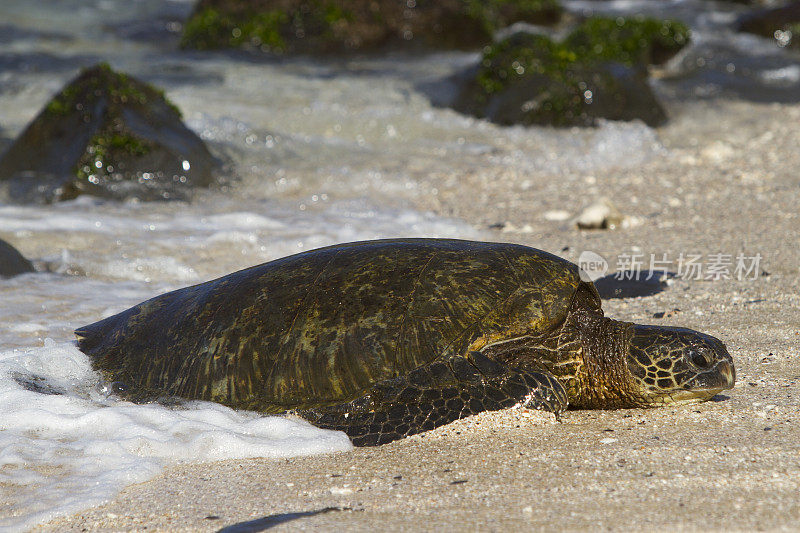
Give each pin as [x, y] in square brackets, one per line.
[631, 41]
[611, 91]
[780, 23]
[328, 26]
[12, 262]
[600, 215]
[667, 314]
[109, 135]
[598, 71]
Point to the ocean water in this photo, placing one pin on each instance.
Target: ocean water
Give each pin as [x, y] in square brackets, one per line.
[319, 153]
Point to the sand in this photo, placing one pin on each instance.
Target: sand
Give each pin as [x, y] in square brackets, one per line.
[728, 182]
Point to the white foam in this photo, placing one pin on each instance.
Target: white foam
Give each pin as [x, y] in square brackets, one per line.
[784, 77]
[148, 268]
[244, 220]
[63, 452]
[151, 244]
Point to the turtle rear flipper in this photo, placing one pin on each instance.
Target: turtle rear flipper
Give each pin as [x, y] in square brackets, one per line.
[436, 394]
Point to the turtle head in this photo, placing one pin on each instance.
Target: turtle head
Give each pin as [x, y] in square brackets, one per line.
[676, 365]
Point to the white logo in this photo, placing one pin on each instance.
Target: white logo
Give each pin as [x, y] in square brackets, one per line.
[592, 266]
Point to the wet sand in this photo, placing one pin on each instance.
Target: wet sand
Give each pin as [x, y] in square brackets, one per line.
[728, 181]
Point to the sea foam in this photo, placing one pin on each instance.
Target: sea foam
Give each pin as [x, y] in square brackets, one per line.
[65, 444]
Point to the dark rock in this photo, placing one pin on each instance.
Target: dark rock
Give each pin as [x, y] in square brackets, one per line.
[108, 135]
[12, 262]
[781, 23]
[531, 79]
[667, 314]
[329, 26]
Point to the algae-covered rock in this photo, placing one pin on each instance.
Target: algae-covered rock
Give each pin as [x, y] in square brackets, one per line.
[780, 23]
[12, 262]
[333, 26]
[636, 40]
[110, 135]
[532, 79]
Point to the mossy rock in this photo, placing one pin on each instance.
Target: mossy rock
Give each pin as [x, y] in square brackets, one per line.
[532, 79]
[12, 262]
[106, 134]
[781, 23]
[634, 40]
[332, 26]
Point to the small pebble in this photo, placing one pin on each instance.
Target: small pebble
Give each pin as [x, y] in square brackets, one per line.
[602, 214]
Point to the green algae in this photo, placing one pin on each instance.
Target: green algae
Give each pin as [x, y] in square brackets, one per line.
[268, 30]
[209, 29]
[328, 25]
[102, 81]
[563, 78]
[628, 40]
[104, 150]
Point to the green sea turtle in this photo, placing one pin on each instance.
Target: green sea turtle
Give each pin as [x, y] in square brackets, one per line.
[383, 339]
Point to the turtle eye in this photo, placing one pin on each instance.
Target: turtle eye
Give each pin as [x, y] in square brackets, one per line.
[699, 359]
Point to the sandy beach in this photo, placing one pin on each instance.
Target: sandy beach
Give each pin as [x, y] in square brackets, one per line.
[725, 181]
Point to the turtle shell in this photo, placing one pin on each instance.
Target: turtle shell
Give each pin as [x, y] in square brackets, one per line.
[323, 326]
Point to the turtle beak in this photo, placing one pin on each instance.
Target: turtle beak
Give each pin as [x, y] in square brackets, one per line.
[721, 376]
[728, 373]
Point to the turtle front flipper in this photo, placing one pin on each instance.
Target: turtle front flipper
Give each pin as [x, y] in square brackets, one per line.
[436, 394]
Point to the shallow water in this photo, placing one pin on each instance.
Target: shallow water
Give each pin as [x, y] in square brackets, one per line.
[320, 153]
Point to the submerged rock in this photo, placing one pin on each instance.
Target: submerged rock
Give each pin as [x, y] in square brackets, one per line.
[328, 26]
[598, 71]
[780, 23]
[12, 262]
[109, 135]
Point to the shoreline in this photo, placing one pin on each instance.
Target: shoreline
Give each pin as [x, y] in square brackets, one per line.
[726, 183]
